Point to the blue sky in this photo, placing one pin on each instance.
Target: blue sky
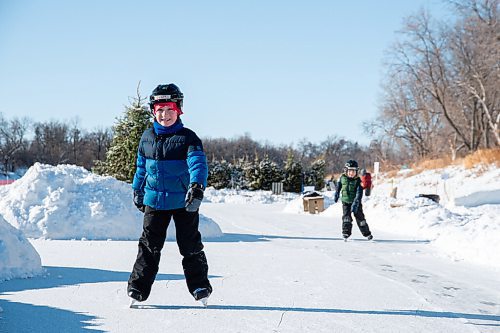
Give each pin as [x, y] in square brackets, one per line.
[280, 71]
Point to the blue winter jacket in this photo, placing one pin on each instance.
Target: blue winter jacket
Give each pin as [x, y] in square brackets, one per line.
[166, 165]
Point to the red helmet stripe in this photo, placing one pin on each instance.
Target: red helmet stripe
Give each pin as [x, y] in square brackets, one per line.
[170, 105]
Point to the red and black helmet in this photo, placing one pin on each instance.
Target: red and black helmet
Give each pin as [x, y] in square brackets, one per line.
[166, 93]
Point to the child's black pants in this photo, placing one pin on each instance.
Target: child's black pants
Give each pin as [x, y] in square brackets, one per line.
[152, 240]
[360, 220]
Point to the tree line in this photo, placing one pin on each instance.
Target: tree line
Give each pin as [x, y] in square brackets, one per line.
[239, 162]
[440, 93]
[22, 143]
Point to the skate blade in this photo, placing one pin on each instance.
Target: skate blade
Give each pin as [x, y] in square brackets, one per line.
[204, 302]
[132, 304]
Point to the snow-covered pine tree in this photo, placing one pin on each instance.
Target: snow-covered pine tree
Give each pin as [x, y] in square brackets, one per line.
[122, 155]
[269, 172]
[316, 174]
[238, 180]
[219, 174]
[252, 174]
[293, 175]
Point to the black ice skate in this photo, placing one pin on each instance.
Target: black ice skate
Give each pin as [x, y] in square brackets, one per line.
[135, 296]
[345, 237]
[202, 294]
[369, 237]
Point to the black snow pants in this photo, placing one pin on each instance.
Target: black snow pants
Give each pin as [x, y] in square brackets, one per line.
[360, 220]
[151, 243]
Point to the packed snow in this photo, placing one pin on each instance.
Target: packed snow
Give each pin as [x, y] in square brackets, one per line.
[18, 258]
[69, 202]
[465, 225]
[432, 267]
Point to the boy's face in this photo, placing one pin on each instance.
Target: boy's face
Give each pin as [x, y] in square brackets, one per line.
[166, 116]
[351, 173]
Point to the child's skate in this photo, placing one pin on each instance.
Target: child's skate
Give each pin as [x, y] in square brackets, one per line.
[135, 296]
[202, 294]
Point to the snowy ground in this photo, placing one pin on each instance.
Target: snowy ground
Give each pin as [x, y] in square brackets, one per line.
[273, 269]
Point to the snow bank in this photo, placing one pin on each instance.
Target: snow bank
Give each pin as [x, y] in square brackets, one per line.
[470, 235]
[465, 225]
[18, 258]
[456, 185]
[69, 202]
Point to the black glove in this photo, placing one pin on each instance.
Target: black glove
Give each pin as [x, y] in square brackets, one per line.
[138, 200]
[336, 197]
[355, 206]
[194, 197]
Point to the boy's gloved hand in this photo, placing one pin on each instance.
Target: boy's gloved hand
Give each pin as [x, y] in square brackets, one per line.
[194, 197]
[336, 198]
[355, 206]
[139, 200]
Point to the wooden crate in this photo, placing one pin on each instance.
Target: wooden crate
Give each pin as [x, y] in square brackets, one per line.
[314, 205]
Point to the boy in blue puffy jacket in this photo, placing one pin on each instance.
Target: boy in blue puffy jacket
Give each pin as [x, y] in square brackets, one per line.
[169, 181]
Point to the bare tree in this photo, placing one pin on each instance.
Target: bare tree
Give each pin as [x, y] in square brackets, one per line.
[50, 144]
[408, 113]
[475, 46]
[76, 144]
[439, 71]
[423, 57]
[99, 141]
[12, 141]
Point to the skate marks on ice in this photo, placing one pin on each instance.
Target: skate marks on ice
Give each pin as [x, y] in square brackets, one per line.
[490, 303]
[436, 289]
[434, 284]
[439, 290]
[388, 268]
[446, 293]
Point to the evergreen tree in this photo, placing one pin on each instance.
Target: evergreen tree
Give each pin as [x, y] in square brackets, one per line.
[238, 180]
[293, 175]
[251, 171]
[122, 155]
[269, 172]
[219, 174]
[316, 174]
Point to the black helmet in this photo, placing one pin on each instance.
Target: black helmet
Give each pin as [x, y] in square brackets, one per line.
[166, 93]
[351, 165]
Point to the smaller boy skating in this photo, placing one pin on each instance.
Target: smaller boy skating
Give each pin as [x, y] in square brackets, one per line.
[349, 185]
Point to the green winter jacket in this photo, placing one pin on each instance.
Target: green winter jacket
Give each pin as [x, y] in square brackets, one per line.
[350, 188]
